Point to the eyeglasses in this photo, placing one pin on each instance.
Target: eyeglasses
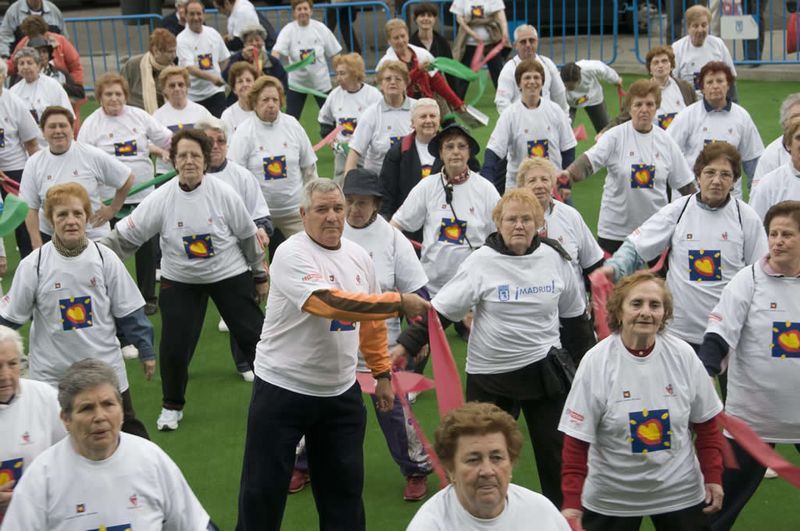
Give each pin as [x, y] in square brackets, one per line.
[710, 173]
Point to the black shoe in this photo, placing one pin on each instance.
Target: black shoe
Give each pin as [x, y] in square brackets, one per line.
[151, 308]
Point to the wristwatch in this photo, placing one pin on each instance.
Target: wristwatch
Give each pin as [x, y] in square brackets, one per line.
[384, 375]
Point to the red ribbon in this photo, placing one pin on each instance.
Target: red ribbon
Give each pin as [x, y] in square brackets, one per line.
[407, 382]
[601, 288]
[328, 138]
[479, 60]
[10, 185]
[580, 133]
[448, 382]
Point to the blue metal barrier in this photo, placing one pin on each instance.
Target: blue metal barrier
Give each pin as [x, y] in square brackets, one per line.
[569, 30]
[657, 22]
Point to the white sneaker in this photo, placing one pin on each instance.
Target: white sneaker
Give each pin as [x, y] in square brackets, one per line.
[158, 275]
[129, 352]
[247, 376]
[770, 474]
[168, 419]
[222, 326]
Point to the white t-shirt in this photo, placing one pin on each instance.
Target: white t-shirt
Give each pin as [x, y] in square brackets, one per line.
[671, 104]
[299, 351]
[345, 108]
[29, 425]
[205, 50]
[379, 128]
[138, 487]
[127, 137]
[396, 264]
[242, 15]
[470, 9]
[296, 42]
[199, 230]
[690, 59]
[774, 156]
[640, 166]
[694, 127]
[246, 185]
[443, 512]
[635, 414]
[779, 185]
[16, 126]
[39, 95]
[507, 299]
[758, 316]
[73, 302]
[177, 119]
[276, 153]
[522, 133]
[589, 91]
[422, 54]
[444, 240]
[234, 116]
[81, 163]
[552, 88]
[566, 225]
[426, 160]
[707, 248]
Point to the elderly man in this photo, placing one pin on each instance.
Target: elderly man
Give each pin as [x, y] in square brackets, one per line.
[202, 51]
[10, 32]
[324, 306]
[526, 42]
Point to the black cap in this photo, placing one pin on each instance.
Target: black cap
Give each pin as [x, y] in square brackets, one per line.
[433, 145]
[361, 181]
[39, 42]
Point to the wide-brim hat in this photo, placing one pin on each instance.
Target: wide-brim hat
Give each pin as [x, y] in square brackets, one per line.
[433, 145]
[361, 181]
[14, 212]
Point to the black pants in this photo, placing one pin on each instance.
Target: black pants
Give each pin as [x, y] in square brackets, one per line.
[610, 246]
[131, 424]
[215, 104]
[21, 232]
[146, 259]
[542, 417]
[334, 430]
[598, 115]
[754, 48]
[347, 16]
[183, 308]
[295, 102]
[495, 65]
[739, 486]
[689, 519]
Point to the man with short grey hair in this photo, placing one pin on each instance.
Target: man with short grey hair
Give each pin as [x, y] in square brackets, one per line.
[10, 33]
[526, 42]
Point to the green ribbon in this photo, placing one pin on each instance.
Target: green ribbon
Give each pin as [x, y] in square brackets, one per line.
[127, 209]
[306, 90]
[461, 71]
[310, 58]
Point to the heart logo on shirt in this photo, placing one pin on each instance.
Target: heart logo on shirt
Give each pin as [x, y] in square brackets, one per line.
[643, 177]
[704, 266]
[198, 246]
[650, 432]
[785, 340]
[790, 341]
[76, 312]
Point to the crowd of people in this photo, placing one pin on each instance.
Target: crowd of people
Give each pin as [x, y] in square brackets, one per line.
[313, 274]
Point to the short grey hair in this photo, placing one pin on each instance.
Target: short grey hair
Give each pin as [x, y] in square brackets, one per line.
[790, 101]
[212, 123]
[9, 335]
[253, 28]
[320, 186]
[82, 376]
[27, 51]
[180, 3]
[521, 27]
[424, 102]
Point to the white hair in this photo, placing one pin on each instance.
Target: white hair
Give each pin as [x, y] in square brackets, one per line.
[424, 102]
[9, 335]
[322, 186]
[213, 123]
[521, 27]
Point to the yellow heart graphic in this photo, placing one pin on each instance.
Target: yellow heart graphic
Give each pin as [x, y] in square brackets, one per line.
[537, 151]
[76, 313]
[643, 176]
[198, 248]
[790, 340]
[275, 168]
[704, 266]
[649, 432]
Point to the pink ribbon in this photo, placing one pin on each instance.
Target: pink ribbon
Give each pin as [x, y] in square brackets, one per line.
[479, 60]
[328, 138]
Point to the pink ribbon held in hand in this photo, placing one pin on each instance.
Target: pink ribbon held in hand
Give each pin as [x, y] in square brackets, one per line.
[601, 289]
[328, 138]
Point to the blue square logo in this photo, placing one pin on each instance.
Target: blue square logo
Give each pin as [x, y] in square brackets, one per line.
[452, 231]
[643, 176]
[705, 265]
[785, 340]
[274, 167]
[503, 293]
[76, 312]
[125, 149]
[665, 120]
[538, 148]
[198, 246]
[650, 431]
[10, 470]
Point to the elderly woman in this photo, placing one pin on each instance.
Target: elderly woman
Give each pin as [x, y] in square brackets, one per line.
[521, 372]
[479, 444]
[562, 222]
[142, 71]
[345, 105]
[716, 118]
[77, 472]
[642, 162]
[385, 122]
[37, 91]
[775, 154]
[755, 323]
[255, 53]
[74, 318]
[29, 422]
[699, 48]
[716, 234]
[276, 149]
[20, 134]
[130, 135]
[296, 41]
[780, 184]
[639, 399]
[533, 126]
[209, 249]
[241, 77]
[68, 161]
[479, 22]
[423, 83]
[582, 81]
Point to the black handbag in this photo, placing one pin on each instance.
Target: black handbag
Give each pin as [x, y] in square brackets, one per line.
[559, 372]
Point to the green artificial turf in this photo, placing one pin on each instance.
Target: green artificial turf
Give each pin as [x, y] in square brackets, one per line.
[208, 446]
